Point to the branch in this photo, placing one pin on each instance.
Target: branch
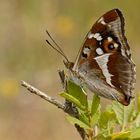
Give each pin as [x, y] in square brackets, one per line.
[42, 95]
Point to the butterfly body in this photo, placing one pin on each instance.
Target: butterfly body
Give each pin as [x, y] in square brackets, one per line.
[104, 62]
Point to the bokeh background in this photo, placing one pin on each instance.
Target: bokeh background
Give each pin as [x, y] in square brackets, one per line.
[24, 55]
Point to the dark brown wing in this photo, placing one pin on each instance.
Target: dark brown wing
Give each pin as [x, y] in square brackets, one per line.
[106, 56]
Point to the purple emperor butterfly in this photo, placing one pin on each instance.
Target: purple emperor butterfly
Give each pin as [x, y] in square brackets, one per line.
[104, 62]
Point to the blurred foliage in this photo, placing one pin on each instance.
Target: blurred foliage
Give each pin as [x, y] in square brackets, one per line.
[24, 55]
[9, 87]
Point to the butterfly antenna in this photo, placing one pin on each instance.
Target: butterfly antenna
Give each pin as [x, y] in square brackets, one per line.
[59, 50]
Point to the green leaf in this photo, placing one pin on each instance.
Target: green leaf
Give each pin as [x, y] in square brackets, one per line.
[95, 118]
[135, 134]
[95, 104]
[106, 122]
[121, 136]
[123, 113]
[77, 92]
[101, 137]
[74, 121]
[136, 123]
[94, 110]
[73, 100]
[83, 117]
[138, 102]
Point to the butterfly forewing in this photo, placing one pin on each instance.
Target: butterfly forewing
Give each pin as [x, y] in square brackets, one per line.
[104, 62]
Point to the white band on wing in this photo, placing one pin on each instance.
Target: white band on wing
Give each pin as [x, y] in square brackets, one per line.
[102, 62]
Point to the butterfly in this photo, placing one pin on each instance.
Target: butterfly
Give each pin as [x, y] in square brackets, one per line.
[104, 63]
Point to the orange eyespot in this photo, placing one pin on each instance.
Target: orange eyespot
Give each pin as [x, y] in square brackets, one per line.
[110, 45]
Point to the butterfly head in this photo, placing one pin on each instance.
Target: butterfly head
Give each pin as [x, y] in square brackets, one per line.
[69, 65]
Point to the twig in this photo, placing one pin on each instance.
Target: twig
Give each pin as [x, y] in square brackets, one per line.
[67, 107]
[42, 95]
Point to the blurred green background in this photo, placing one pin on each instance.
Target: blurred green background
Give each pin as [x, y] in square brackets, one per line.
[24, 55]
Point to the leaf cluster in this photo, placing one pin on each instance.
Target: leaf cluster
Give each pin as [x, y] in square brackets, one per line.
[116, 122]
